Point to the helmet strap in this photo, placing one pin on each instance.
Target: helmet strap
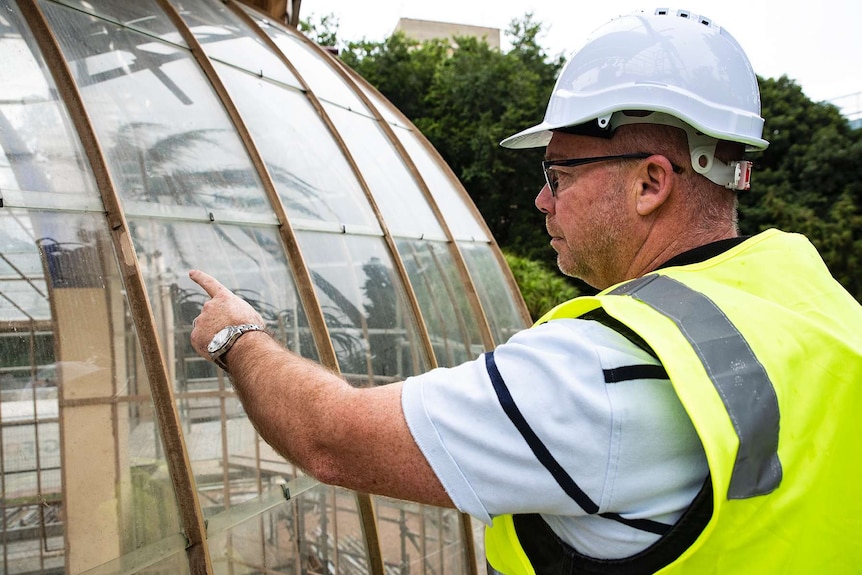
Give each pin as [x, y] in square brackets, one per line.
[734, 175]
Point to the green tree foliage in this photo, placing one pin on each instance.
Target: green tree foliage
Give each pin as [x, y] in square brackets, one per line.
[465, 97]
[401, 68]
[321, 29]
[542, 287]
[809, 180]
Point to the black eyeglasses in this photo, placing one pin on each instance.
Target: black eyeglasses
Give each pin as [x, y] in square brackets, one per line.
[552, 177]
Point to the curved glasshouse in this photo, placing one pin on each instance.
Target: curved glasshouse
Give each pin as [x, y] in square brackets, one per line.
[139, 140]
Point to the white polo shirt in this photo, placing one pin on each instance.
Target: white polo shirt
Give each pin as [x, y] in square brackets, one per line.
[627, 444]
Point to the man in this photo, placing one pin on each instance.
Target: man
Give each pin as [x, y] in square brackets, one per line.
[698, 415]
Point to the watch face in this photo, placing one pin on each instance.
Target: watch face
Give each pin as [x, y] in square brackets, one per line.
[219, 340]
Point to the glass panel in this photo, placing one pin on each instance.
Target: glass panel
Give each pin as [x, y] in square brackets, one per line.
[205, 420]
[385, 108]
[225, 452]
[316, 532]
[404, 208]
[149, 508]
[186, 154]
[177, 564]
[363, 302]
[72, 370]
[315, 69]
[419, 538]
[142, 15]
[247, 259]
[226, 37]
[312, 176]
[493, 289]
[39, 151]
[442, 296]
[452, 201]
[231, 463]
[23, 293]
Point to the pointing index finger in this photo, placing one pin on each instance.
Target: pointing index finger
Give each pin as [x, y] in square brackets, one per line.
[211, 285]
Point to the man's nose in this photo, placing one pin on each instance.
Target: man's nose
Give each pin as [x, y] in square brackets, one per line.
[545, 200]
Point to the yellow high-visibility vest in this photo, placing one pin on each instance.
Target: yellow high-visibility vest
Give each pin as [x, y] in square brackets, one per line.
[764, 349]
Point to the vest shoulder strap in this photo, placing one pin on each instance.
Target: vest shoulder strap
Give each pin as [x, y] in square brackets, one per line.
[550, 555]
[601, 316]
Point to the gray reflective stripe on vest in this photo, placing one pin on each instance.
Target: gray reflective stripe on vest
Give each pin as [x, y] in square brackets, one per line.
[738, 376]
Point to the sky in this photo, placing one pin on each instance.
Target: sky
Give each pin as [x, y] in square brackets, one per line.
[817, 44]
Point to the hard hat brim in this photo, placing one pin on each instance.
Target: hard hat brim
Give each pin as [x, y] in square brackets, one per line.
[536, 136]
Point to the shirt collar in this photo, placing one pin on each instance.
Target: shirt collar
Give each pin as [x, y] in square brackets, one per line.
[703, 253]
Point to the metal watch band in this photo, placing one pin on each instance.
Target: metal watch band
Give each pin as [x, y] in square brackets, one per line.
[218, 356]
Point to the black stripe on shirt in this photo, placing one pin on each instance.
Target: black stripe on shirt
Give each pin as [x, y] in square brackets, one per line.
[539, 450]
[630, 372]
[563, 479]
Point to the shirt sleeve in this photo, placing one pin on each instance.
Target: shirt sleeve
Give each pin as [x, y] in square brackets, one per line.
[554, 375]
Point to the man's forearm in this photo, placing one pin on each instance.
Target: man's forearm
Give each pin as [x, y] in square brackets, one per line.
[356, 438]
[287, 397]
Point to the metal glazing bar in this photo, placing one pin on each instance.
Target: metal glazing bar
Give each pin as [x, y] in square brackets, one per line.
[218, 524]
[471, 206]
[364, 503]
[141, 310]
[304, 284]
[352, 79]
[390, 242]
[355, 80]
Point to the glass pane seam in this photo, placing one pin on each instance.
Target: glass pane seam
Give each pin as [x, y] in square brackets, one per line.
[368, 115]
[37, 200]
[214, 216]
[258, 74]
[133, 284]
[335, 228]
[108, 19]
[433, 237]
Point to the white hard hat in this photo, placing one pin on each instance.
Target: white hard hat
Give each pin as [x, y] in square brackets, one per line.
[672, 62]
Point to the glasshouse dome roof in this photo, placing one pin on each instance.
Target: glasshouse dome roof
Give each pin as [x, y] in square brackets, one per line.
[139, 140]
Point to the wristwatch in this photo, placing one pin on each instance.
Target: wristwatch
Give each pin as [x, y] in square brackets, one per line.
[224, 340]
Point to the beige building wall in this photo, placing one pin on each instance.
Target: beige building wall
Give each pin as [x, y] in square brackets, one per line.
[422, 30]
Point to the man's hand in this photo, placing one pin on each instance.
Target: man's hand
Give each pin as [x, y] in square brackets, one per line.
[224, 309]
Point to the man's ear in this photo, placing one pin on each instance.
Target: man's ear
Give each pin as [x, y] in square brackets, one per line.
[655, 181]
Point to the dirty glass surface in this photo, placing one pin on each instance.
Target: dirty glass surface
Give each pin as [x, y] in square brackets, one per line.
[442, 296]
[42, 162]
[420, 538]
[314, 180]
[85, 481]
[223, 447]
[314, 68]
[226, 37]
[402, 203]
[317, 531]
[142, 15]
[84, 473]
[188, 154]
[248, 259]
[497, 299]
[461, 220]
[363, 302]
